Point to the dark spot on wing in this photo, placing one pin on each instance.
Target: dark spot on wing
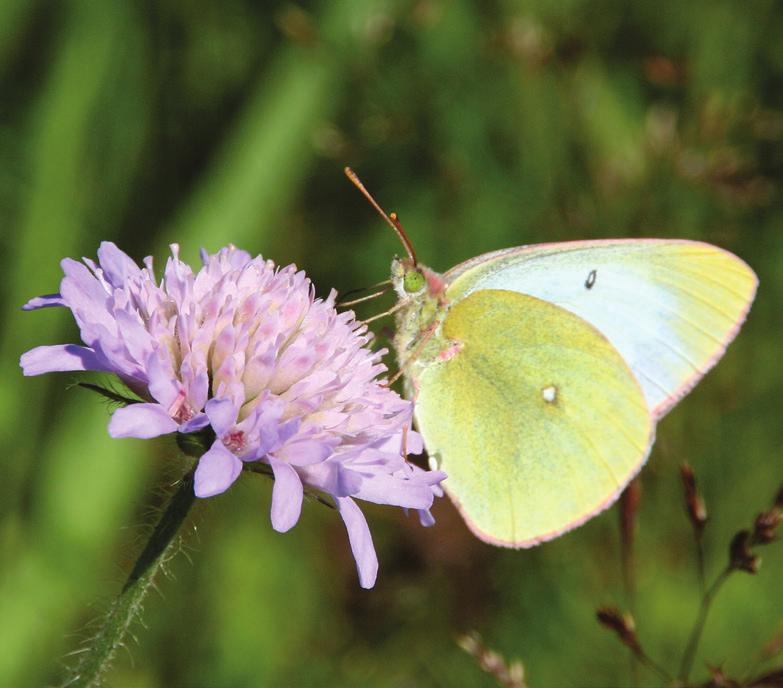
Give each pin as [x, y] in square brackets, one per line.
[590, 281]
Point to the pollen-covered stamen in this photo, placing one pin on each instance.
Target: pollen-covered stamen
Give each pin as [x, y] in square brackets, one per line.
[179, 410]
[234, 441]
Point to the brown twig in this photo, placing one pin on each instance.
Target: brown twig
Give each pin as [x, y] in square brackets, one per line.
[625, 628]
[629, 507]
[697, 515]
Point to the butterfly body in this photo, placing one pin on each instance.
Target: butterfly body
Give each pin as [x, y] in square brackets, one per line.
[539, 372]
[419, 340]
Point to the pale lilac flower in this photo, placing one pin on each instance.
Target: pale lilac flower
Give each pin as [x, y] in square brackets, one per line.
[280, 376]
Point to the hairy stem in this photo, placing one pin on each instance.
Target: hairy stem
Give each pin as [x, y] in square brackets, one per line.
[698, 627]
[161, 545]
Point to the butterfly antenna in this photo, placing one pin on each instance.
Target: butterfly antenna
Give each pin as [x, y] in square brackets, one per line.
[391, 219]
[362, 299]
[394, 309]
[359, 290]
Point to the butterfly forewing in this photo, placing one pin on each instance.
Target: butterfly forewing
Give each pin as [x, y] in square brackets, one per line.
[669, 307]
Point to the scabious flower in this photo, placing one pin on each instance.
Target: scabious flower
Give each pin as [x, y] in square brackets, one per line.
[245, 348]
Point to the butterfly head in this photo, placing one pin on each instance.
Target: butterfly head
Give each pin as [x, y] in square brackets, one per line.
[412, 281]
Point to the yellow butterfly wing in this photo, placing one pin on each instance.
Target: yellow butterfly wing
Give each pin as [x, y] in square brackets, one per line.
[535, 417]
[670, 307]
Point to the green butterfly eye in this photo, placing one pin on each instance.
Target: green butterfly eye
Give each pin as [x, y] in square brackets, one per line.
[413, 281]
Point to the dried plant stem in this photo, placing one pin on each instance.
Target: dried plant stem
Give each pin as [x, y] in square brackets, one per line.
[625, 627]
[644, 659]
[698, 627]
[162, 543]
[629, 506]
[700, 562]
[697, 515]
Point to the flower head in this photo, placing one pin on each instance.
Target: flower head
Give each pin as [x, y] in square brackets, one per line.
[245, 348]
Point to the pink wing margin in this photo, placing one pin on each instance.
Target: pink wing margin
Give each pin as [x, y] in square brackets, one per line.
[546, 537]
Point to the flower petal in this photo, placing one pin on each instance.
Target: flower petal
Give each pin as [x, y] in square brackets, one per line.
[196, 423]
[116, 264]
[348, 482]
[197, 385]
[222, 415]
[433, 478]
[216, 471]
[386, 489]
[304, 453]
[287, 495]
[58, 358]
[141, 420]
[43, 302]
[414, 442]
[426, 518]
[163, 384]
[83, 292]
[361, 541]
[136, 339]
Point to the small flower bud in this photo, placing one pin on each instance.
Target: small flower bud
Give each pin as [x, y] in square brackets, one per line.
[719, 679]
[622, 624]
[741, 557]
[471, 643]
[694, 504]
[766, 525]
[507, 675]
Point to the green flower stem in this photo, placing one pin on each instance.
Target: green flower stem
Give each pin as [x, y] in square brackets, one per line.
[700, 561]
[698, 627]
[645, 660]
[161, 546]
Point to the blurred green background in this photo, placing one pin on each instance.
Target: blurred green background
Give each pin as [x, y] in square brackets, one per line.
[484, 125]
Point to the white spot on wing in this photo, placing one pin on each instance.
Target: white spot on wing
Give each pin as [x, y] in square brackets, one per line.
[549, 394]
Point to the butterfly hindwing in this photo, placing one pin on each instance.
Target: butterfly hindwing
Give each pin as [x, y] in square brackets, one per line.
[536, 418]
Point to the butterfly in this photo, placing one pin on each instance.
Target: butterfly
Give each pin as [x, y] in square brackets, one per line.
[539, 373]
